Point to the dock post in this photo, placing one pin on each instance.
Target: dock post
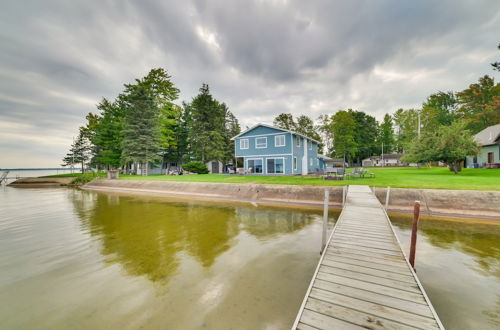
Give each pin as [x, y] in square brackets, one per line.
[414, 228]
[343, 195]
[387, 196]
[325, 220]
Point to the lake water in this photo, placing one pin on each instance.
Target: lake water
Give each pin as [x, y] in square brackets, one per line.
[86, 260]
[458, 264]
[35, 173]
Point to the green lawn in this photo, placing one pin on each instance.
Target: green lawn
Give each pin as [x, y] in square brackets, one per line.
[401, 177]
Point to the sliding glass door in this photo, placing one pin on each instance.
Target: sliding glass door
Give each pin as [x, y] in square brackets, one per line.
[255, 166]
[275, 165]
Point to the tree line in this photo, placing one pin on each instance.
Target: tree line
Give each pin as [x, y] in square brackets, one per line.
[144, 125]
[441, 130]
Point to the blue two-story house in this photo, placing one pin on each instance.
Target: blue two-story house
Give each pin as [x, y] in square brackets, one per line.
[270, 150]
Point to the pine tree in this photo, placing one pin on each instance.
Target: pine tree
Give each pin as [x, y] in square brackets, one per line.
[141, 134]
[232, 128]
[79, 152]
[207, 128]
[386, 134]
[108, 134]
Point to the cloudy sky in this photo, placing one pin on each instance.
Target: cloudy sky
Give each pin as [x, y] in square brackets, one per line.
[59, 58]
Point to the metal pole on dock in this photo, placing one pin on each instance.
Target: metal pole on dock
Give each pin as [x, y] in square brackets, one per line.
[325, 220]
[387, 196]
[414, 229]
[343, 195]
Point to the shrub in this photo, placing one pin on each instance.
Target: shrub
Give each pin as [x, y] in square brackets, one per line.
[85, 178]
[196, 167]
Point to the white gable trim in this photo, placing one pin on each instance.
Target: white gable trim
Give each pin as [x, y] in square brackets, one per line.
[273, 127]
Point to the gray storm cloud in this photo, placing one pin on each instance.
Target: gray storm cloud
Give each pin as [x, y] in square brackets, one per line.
[59, 58]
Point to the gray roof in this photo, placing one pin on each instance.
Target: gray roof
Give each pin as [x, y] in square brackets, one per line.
[277, 128]
[489, 135]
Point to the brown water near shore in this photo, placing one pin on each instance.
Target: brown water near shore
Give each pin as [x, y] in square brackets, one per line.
[86, 260]
[80, 259]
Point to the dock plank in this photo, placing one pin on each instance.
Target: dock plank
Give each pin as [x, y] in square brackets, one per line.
[363, 279]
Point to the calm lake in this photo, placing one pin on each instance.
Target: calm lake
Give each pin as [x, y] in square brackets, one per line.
[86, 260]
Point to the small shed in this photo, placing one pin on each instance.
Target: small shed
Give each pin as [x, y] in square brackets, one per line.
[215, 167]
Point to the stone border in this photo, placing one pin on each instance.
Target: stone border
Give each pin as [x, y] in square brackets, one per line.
[457, 203]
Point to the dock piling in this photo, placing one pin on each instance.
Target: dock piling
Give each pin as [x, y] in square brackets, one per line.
[325, 219]
[414, 229]
[387, 196]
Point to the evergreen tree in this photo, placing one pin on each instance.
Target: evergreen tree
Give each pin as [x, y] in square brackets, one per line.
[232, 129]
[141, 133]
[79, 152]
[107, 137]
[386, 134]
[208, 126]
[158, 84]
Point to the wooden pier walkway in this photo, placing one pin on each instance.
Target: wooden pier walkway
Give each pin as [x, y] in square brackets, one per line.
[363, 279]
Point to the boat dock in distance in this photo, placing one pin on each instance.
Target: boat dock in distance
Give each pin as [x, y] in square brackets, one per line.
[363, 279]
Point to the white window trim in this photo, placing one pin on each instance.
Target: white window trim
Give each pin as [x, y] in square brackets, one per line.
[284, 165]
[266, 155]
[248, 144]
[277, 138]
[295, 163]
[263, 146]
[263, 164]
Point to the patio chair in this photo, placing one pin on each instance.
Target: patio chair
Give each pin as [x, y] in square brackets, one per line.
[364, 173]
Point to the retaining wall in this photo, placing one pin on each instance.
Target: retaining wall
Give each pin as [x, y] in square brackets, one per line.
[469, 203]
[265, 193]
[443, 202]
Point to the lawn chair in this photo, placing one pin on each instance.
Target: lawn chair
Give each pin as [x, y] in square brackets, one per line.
[364, 173]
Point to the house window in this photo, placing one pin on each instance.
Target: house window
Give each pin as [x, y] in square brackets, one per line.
[295, 163]
[298, 141]
[310, 146]
[254, 165]
[244, 144]
[317, 161]
[310, 162]
[275, 165]
[261, 142]
[279, 141]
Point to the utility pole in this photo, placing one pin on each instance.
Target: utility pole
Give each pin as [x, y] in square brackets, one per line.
[418, 128]
[383, 154]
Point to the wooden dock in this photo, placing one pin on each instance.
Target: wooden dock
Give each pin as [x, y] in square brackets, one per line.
[363, 279]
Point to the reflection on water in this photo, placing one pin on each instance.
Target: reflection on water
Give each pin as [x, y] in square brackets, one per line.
[96, 260]
[458, 263]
